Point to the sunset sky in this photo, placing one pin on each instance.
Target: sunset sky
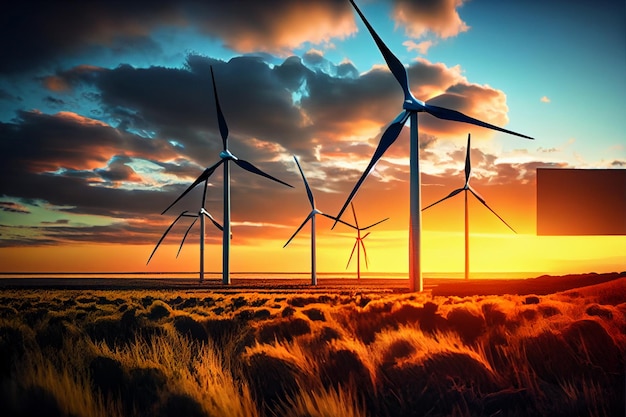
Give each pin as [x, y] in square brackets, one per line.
[107, 114]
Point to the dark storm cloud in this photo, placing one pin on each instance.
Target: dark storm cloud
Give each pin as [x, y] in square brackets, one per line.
[37, 142]
[118, 171]
[40, 34]
[55, 158]
[13, 207]
[54, 102]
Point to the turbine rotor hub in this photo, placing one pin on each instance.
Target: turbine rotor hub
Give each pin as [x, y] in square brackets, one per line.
[226, 154]
[413, 104]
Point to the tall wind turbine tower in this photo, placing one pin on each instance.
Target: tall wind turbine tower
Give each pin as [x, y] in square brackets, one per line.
[202, 214]
[468, 188]
[226, 157]
[411, 106]
[311, 217]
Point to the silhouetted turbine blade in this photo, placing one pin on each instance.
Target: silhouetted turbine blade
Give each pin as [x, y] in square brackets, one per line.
[490, 209]
[306, 184]
[249, 167]
[468, 164]
[311, 214]
[183, 214]
[220, 116]
[374, 224]
[394, 64]
[365, 253]
[185, 236]
[447, 114]
[352, 253]
[452, 194]
[203, 177]
[337, 220]
[388, 138]
[356, 222]
[366, 235]
[207, 214]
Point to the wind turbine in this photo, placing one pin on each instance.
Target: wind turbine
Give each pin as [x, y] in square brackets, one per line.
[202, 213]
[411, 107]
[226, 157]
[467, 187]
[311, 217]
[358, 244]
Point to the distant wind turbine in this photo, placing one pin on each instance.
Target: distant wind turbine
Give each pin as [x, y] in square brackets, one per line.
[202, 213]
[225, 157]
[311, 217]
[411, 107]
[358, 244]
[467, 187]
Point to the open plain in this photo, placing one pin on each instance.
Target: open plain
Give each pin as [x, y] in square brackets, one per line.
[542, 346]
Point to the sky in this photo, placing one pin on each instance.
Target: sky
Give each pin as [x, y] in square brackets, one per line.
[107, 115]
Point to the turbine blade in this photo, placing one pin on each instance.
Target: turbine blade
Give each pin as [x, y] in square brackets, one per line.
[356, 222]
[387, 139]
[490, 209]
[352, 253]
[452, 194]
[220, 116]
[182, 242]
[251, 168]
[337, 220]
[468, 164]
[366, 235]
[207, 214]
[306, 184]
[311, 214]
[447, 114]
[365, 254]
[394, 64]
[374, 224]
[165, 234]
[203, 177]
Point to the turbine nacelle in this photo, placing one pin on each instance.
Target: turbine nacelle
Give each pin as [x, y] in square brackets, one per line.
[226, 154]
[413, 104]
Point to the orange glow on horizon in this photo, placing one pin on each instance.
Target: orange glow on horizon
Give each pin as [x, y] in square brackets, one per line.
[442, 253]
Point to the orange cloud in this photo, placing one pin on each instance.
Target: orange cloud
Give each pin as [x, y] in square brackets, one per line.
[280, 29]
[421, 47]
[439, 17]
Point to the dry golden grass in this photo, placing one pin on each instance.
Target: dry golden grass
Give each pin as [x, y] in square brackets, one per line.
[322, 352]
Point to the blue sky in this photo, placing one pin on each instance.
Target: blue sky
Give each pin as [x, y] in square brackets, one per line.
[106, 110]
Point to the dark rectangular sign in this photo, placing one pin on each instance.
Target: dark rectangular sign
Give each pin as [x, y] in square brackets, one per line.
[581, 201]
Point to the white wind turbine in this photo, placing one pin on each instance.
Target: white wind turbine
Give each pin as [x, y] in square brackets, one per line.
[202, 213]
[467, 187]
[358, 244]
[225, 158]
[311, 217]
[411, 107]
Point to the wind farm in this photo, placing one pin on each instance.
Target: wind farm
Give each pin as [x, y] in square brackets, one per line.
[226, 157]
[110, 116]
[411, 107]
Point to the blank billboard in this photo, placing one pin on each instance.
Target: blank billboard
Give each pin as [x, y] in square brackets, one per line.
[581, 201]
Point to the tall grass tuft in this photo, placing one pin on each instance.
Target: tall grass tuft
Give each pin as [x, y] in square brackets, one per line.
[323, 402]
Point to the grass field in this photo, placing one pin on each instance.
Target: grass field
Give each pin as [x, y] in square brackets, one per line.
[338, 350]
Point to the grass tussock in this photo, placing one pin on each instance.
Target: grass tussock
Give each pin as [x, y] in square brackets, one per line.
[136, 353]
